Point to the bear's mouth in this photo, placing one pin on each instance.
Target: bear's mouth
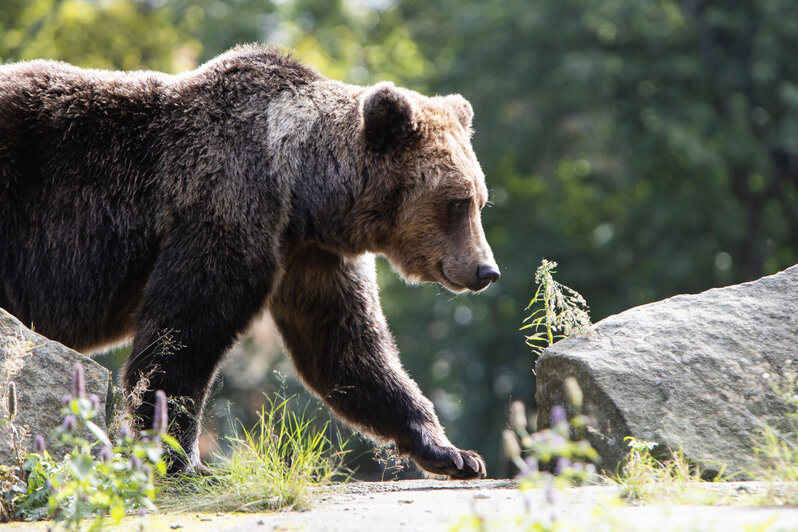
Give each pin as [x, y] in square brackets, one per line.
[447, 282]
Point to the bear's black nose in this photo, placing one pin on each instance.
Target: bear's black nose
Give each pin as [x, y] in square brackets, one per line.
[488, 273]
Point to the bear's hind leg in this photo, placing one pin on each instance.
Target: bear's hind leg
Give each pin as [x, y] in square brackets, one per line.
[328, 311]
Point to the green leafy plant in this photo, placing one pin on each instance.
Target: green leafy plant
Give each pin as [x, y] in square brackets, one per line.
[557, 311]
[89, 478]
[674, 479]
[273, 465]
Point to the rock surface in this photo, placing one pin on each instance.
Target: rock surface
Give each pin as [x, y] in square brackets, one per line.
[42, 371]
[697, 372]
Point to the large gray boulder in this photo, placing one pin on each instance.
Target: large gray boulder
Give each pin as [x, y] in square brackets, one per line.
[696, 372]
[42, 371]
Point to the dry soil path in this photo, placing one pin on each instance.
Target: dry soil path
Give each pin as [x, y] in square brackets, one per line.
[431, 506]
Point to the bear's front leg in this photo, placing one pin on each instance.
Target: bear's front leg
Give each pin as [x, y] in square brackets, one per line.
[328, 311]
[198, 299]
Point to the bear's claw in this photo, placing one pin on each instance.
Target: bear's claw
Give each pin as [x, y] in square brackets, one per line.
[452, 462]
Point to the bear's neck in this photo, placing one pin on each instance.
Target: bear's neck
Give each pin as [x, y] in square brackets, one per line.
[314, 135]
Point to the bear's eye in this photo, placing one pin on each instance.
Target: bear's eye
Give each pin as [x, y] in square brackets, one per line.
[459, 206]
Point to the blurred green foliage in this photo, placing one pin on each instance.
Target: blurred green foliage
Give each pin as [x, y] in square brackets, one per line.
[118, 34]
[650, 147]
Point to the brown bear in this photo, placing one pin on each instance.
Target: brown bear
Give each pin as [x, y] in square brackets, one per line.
[173, 209]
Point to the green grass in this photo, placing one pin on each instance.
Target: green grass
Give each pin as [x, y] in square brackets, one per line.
[673, 480]
[276, 464]
[676, 480]
[779, 456]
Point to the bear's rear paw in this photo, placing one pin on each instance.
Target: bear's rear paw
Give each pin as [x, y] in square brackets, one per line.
[452, 462]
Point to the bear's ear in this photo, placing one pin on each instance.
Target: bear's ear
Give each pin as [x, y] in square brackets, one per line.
[461, 108]
[389, 117]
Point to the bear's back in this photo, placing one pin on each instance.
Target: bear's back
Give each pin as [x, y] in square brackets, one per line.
[50, 109]
[53, 89]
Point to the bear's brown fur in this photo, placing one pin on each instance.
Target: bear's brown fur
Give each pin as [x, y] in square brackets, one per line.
[173, 209]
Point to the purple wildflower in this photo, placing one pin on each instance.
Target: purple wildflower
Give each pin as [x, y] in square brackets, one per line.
[95, 402]
[70, 422]
[531, 465]
[78, 380]
[106, 454]
[135, 463]
[66, 399]
[558, 415]
[553, 439]
[38, 444]
[160, 419]
[562, 465]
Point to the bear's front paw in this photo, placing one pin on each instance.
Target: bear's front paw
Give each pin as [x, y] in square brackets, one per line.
[452, 462]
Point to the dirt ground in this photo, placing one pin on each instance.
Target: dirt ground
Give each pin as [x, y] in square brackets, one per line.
[430, 505]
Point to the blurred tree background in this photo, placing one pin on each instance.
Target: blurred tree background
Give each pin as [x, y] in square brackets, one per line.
[649, 146]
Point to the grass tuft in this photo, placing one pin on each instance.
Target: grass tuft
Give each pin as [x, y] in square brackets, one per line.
[274, 465]
[674, 480]
[778, 452]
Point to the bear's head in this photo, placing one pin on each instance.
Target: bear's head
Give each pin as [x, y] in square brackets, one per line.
[432, 189]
